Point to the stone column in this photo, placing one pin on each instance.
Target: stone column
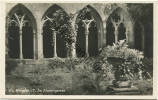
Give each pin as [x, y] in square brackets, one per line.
[127, 32]
[54, 43]
[40, 40]
[7, 45]
[143, 36]
[86, 24]
[116, 25]
[86, 34]
[20, 22]
[34, 45]
[21, 48]
[73, 49]
[7, 38]
[116, 34]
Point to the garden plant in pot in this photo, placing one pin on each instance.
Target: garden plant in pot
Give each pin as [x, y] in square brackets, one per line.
[124, 60]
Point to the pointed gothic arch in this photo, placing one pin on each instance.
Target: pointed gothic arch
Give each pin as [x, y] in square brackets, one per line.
[117, 23]
[48, 48]
[26, 47]
[95, 39]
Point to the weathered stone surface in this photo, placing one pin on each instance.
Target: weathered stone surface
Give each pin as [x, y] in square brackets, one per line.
[124, 91]
[122, 84]
[132, 89]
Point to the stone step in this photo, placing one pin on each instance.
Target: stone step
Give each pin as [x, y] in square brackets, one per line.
[132, 89]
[127, 93]
[34, 62]
[124, 91]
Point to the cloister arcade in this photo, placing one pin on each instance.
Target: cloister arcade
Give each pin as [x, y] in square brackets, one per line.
[29, 37]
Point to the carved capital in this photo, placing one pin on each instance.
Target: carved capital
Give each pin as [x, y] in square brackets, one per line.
[87, 25]
[116, 24]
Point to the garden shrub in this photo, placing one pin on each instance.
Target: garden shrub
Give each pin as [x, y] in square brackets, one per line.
[56, 63]
[132, 67]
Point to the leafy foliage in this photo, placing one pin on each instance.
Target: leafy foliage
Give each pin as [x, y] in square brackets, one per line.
[121, 50]
[85, 13]
[132, 66]
[60, 22]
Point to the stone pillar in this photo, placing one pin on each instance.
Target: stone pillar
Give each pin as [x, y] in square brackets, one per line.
[86, 35]
[21, 48]
[34, 45]
[116, 34]
[86, 24]
[73, 45]
[54, 43]
[20, 22]
[116, 25]
[7, 38]
[73, 49]
[7, 45]
[127, 32]
[40, 40]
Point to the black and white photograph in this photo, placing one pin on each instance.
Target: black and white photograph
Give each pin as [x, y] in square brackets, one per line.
[79, 49]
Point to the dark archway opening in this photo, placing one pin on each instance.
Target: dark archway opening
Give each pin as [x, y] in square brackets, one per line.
[121, 32]
[144, 29]
[27, 39]
[48, 36]
[27, 33]
[110, 36]
[93, 40]
[149, 38]
[13, 40]
[147, 21]
[138, 36]
[47, 41]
